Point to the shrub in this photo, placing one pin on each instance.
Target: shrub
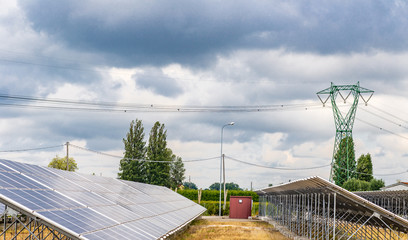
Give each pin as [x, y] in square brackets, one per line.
[214, 195]
[360, 185]
[356, 185]
[213, 206]
[376, 184]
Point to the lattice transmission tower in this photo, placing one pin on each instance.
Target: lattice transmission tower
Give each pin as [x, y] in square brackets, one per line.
[344, 124]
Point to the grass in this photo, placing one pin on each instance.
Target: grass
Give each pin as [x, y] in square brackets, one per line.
[223, 230]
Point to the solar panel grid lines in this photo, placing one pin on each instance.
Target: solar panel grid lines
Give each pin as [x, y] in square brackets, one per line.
[94, 207]
[138, 208]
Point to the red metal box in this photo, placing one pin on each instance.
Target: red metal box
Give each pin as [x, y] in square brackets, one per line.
[240, 206]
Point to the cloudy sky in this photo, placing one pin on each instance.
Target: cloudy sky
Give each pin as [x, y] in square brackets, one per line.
[196, 66]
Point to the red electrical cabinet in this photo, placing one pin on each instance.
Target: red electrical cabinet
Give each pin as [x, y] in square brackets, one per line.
[240, 206]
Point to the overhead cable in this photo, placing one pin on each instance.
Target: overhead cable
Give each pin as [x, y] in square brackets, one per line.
[277, 168]
[65, 104]
[390, 114]
[367, 174]
[32, 149]
[139, 160]
[384, 118]
[382, 129]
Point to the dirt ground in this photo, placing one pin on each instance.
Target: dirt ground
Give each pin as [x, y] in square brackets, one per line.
[223, 228]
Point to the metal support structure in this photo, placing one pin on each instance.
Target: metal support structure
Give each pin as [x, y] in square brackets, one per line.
[394, 201]
[344, 124]
[67, 156]
[221, 161]
[318, 216]
[15, 225]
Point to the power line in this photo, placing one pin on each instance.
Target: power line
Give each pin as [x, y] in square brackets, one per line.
[32, 149]
[384, 118]
[390, 114]
[382, 129]
[367, 174]
[194, 160]
[71, 105]
[139, 160]
[277, 168]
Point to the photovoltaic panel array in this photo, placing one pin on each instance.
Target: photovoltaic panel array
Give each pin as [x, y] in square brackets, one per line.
[93, 207]
[346, 202]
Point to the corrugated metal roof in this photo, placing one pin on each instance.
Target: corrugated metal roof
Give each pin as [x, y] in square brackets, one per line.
[345, 200]
[92, 207]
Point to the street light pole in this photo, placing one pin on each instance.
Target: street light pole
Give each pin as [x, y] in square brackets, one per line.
[222, 131]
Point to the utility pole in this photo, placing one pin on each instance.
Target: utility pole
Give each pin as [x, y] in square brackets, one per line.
[225, 193]
[344, 124]
[67, 156]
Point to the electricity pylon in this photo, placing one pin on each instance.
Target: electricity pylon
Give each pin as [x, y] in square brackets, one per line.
[344, 124]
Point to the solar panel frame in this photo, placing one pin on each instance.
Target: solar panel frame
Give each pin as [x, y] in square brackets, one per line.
[346, 201]
[90, 207]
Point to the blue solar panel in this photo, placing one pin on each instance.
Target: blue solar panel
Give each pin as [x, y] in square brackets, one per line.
[94, 207]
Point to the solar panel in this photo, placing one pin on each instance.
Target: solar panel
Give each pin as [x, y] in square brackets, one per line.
[316, 198]
[93, 207]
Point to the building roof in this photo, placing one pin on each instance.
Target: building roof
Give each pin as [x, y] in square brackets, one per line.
[405, 184]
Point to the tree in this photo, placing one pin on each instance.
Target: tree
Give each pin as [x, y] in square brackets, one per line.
[215, 186]
[364, 168]
[356, 185]
[158, 173]
[232, 186]
[376, 184]
[361, 185]
[190, 185]
[176, 170]
[344, 162]
[228, 186]
[61, 163]
[135, 148]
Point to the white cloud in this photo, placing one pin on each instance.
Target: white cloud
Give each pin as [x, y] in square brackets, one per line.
[240, 74]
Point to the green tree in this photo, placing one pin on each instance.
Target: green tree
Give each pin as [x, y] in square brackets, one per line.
[344, 162]
[176, 170]
[376, 184]
[135, 148]
[215, 186]
[190, 185]
[228, 186]
[361, 185]
[61, 163]
[356, 185]
[232, 186]
[158, 173]
[364, 167]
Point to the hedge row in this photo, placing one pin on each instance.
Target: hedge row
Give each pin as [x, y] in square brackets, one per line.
[213, 206]
[214, 195]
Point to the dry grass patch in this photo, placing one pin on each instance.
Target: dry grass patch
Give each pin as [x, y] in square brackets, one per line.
[222, 230]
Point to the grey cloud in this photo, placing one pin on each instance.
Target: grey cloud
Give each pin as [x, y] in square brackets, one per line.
[161, 32]
[158, 83]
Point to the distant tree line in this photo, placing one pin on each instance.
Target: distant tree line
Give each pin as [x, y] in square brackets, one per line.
[153, 163]
[228, 186]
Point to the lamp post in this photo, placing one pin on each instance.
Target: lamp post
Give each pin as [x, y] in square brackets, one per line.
[222, 131]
